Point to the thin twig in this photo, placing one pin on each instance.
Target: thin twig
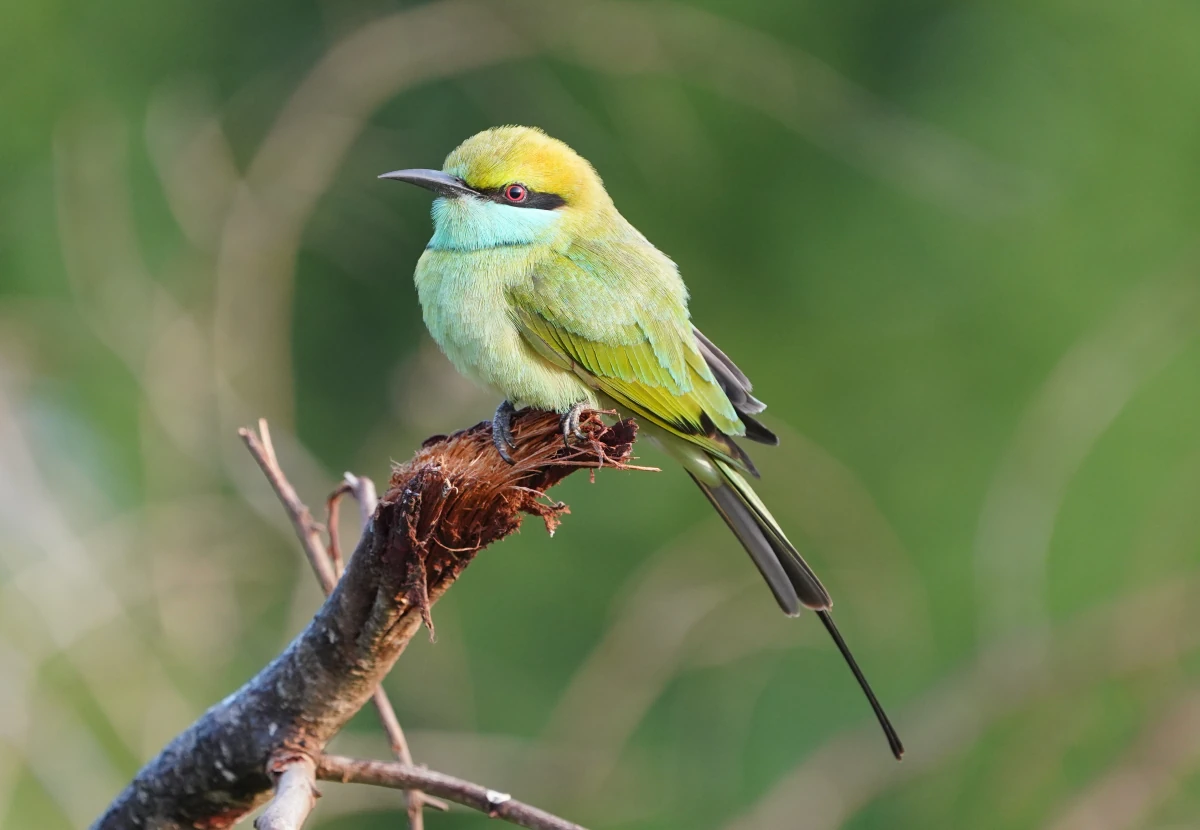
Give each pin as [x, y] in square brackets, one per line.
[295, 794]
[364, 493]
[333, 528]
[363, 490]
[306, 529]
[403, 776]
[399, 744]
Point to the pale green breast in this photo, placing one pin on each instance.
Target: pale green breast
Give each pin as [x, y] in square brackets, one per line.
[465, 303]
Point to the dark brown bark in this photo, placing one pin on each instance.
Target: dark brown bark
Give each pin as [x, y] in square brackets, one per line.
[454, 498]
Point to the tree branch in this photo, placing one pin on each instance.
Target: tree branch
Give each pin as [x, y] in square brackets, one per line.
[454, 498]
[295, 794]
[328, 566]
[363, 490]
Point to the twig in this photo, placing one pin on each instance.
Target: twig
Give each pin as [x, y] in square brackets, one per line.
[364, 493]
[295, 794]
[399, 745]
[306, 529]
[363, 490]
[333, 527]
[402, 776]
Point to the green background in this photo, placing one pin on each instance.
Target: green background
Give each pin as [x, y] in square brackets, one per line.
[954, 245]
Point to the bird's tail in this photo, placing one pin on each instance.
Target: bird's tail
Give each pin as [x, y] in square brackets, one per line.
[791, 580]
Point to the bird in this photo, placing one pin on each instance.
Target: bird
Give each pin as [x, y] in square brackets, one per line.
[534, 285]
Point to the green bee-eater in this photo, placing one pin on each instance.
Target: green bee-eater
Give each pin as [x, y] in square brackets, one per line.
[536, 286]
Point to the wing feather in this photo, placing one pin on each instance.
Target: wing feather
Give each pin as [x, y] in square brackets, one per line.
[626, 332]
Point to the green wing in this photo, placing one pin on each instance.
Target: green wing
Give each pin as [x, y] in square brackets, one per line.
[616, 314]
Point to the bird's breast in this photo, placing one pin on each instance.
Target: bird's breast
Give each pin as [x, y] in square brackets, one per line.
[464, 299]
[466, 305]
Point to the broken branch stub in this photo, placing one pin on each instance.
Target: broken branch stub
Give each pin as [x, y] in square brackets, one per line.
[457, 495]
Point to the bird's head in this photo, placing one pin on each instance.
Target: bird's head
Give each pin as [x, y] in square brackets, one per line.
[509, 186]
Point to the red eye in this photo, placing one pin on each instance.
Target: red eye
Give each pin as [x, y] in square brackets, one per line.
[515, 193]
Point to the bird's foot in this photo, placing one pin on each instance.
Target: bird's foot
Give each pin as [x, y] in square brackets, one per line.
[502, 435]
[570, 423]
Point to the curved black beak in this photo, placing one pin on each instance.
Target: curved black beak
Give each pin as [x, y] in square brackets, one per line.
[441, 183]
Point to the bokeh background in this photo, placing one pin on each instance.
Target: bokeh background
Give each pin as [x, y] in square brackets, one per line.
[954, 243]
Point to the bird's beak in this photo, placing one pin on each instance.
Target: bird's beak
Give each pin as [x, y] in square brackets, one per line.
[441, 183]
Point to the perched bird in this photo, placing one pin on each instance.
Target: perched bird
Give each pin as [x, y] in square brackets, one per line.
[536, 286]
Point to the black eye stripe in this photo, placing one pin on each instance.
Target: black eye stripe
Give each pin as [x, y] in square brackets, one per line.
[543, 201]
[533, 199]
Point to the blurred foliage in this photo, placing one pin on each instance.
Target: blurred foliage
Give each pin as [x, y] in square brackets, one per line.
[954, 244]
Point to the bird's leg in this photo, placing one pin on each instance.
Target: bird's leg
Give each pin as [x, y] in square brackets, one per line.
[570, 423]
[502, 436]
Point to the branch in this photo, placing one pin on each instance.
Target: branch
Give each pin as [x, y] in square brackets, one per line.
[404, 777]
[306, 529]
[295, 794]
[453, 499]
[328, 566]
[363, 490]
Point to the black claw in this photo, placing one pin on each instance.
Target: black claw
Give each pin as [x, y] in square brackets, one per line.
[506, 432]
[500, 448]
[570, 423]
[502, 435]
